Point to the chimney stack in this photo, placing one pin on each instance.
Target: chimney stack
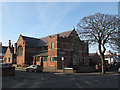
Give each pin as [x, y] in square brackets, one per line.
[12, 45]
[15, 48]
[15, 45]
[9, 44]
[115, 53]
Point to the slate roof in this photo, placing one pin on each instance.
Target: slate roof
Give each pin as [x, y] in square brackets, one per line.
[33, 42]
[41, 53]
[37, 42]
[3, 49]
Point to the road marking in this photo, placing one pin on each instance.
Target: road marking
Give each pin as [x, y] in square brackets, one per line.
[79, 86]
[97, 81]
[87, 82]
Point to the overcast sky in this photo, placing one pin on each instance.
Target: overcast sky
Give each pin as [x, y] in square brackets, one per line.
[37, 19]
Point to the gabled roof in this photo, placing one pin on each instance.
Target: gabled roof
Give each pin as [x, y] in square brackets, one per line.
[41, 54]
[35, 42]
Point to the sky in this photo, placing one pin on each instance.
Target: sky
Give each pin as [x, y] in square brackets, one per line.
[40, 19]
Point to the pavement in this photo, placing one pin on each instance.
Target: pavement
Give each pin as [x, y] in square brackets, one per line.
[61, 73]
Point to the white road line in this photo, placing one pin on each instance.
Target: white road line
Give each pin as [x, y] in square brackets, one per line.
[87, 82]
[79, 86]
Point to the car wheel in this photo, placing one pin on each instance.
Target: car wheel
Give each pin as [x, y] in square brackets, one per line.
[27, 70]
[35, 70]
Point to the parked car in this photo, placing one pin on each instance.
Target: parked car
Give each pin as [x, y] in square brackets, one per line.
[7, 69]
[119, 70]
[34, 68]
[3, 65]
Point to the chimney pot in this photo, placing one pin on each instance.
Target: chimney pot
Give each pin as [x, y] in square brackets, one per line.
[9, 44]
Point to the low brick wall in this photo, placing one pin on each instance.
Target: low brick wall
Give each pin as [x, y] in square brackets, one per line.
[53, 70]
[8, 71]
[84, 69]
[69, 70]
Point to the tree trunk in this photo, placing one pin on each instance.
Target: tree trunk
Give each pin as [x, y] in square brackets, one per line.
[103, 63]
[102, 58]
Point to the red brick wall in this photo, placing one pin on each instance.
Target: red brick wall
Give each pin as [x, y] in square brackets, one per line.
[20, 59]
[81, 52]
[29, 51]
[52, 52]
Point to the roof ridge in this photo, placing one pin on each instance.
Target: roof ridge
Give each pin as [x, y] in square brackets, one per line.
[30, 37]
[56, 33]
[66, 31]
[45, 36]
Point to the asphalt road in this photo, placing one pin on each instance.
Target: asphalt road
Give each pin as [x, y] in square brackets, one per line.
[24, 79]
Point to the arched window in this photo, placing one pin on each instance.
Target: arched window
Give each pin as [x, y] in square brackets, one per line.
[20, 51]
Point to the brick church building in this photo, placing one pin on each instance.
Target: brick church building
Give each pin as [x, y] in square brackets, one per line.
[48, 51]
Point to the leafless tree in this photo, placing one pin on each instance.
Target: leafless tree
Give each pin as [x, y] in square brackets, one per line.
[100, 29]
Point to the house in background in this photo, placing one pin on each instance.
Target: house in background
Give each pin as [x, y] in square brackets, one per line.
[2, 52]
[9, 54]
[111, 58]
[48, 51]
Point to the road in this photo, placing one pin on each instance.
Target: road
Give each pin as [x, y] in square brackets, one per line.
[24, 79]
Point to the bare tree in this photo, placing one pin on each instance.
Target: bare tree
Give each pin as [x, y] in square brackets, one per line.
[99, 29]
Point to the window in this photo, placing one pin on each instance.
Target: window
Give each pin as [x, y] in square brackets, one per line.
[9, 59]
[45, 58]
[19, 51]
[5, 60]
[38, 59]
[33, 66]
[52, 45]
[52, 59]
